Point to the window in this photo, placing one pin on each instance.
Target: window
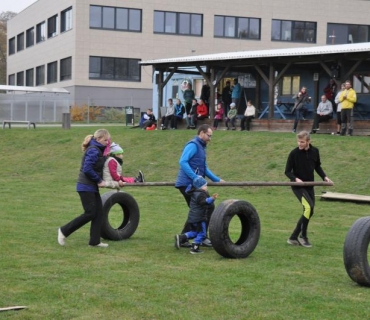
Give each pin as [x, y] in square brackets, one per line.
[52, 26]
[11, 46]
[66, 69]
[237, 27]
[29, 77]
[11, 80]
[20, 78]
[120, 69]
[347, 33]
[52, 73]
[294, 31]
[66, 20]
[20, 42]
[40, 32]
[40, 75]
[178, 23]
[361, 82]
[115, 18]
[30, 37]
[290, 85]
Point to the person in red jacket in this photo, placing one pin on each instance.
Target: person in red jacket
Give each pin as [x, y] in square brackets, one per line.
[202, 110]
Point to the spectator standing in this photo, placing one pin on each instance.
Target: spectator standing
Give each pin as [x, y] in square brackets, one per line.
[167, 118]
[301, 164]
[193, 163]
[201, 205]
[147, 120]
[90, 179]
[339, 107]
[236, 92]
[189, 95]
[231, 117]
[249, 114]
[348, 98]
[226, 96]
[324, 113]
[178, 114]
[301, 99]
[191, 116]
[205, 93]
[218, 116]
[330, 92]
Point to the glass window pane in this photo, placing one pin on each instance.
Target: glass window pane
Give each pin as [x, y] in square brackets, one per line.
[295, 84]
[363, 34]
[107, 67]
[122, 19]
[287, 84]
[95, 17]
[135, 20]
[184, 23]
[219, 26]
[108, 18]
[243, 28]
[254, 29]
[170, 22]
[229, 27]
[275, 30]
[286, 30]
[121, 69]
[337, 34]
[134, 70]
[158, 21]
[196, 24]
[94, 67]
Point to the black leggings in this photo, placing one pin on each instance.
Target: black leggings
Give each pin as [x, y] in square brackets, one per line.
[306, 196]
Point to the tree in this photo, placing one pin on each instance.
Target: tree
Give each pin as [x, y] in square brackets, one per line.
[4, 17]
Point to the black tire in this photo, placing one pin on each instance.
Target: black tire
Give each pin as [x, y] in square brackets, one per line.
[355, 252]
[130, 215]
[219, 229]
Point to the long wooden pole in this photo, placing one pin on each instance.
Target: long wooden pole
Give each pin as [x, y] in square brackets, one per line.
[238, 184]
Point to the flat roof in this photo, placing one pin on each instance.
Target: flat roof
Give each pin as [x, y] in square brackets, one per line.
[33, 89]
[305, 51]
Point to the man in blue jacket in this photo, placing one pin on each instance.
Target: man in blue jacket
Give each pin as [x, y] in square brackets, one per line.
[193, 163]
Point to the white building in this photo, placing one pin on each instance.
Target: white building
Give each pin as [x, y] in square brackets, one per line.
[92, 48]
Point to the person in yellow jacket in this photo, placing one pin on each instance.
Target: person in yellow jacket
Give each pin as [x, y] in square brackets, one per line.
[348, 99]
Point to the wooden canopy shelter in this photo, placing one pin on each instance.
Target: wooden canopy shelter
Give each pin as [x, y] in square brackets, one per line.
[267, 65]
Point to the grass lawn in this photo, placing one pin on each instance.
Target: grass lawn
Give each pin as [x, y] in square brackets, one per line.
[145, 277]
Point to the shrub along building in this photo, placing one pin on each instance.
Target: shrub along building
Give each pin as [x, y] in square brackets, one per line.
[102, 51]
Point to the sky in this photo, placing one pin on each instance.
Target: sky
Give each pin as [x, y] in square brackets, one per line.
[15, 5]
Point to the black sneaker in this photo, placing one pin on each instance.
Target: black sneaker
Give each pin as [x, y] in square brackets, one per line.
[180, 239]
[195, 249]
[304, 242]
[140, 177]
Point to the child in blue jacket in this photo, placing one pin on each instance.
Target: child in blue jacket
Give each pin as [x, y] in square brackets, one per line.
[200, 205]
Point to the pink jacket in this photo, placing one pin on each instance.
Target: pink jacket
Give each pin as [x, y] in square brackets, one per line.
[219, 113]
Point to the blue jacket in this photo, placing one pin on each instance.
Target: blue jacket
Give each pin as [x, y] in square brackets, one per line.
[91, 171]
[193, 162]
[179, 110]
[236, 91]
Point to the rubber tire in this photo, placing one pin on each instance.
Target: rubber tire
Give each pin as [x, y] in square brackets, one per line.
[130, 215]
[219, 229]
[355, 252]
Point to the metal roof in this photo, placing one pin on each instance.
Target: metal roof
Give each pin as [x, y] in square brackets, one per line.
[306, 51]
[33, 89]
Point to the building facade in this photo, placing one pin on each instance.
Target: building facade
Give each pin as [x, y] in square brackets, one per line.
[92, 48]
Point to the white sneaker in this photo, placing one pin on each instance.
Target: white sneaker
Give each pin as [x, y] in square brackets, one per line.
[100, 245]
[61, 238]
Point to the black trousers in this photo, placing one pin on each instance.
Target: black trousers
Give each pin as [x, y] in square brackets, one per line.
[93, 211]
[306, 196]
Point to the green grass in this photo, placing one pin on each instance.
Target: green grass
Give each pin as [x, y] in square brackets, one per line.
[145, 277]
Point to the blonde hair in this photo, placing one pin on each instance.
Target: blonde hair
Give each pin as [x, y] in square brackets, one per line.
[304, 135]
[100, 133]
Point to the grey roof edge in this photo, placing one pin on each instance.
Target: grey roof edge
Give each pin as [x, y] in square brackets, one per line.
[33, 89]
[300, 51]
